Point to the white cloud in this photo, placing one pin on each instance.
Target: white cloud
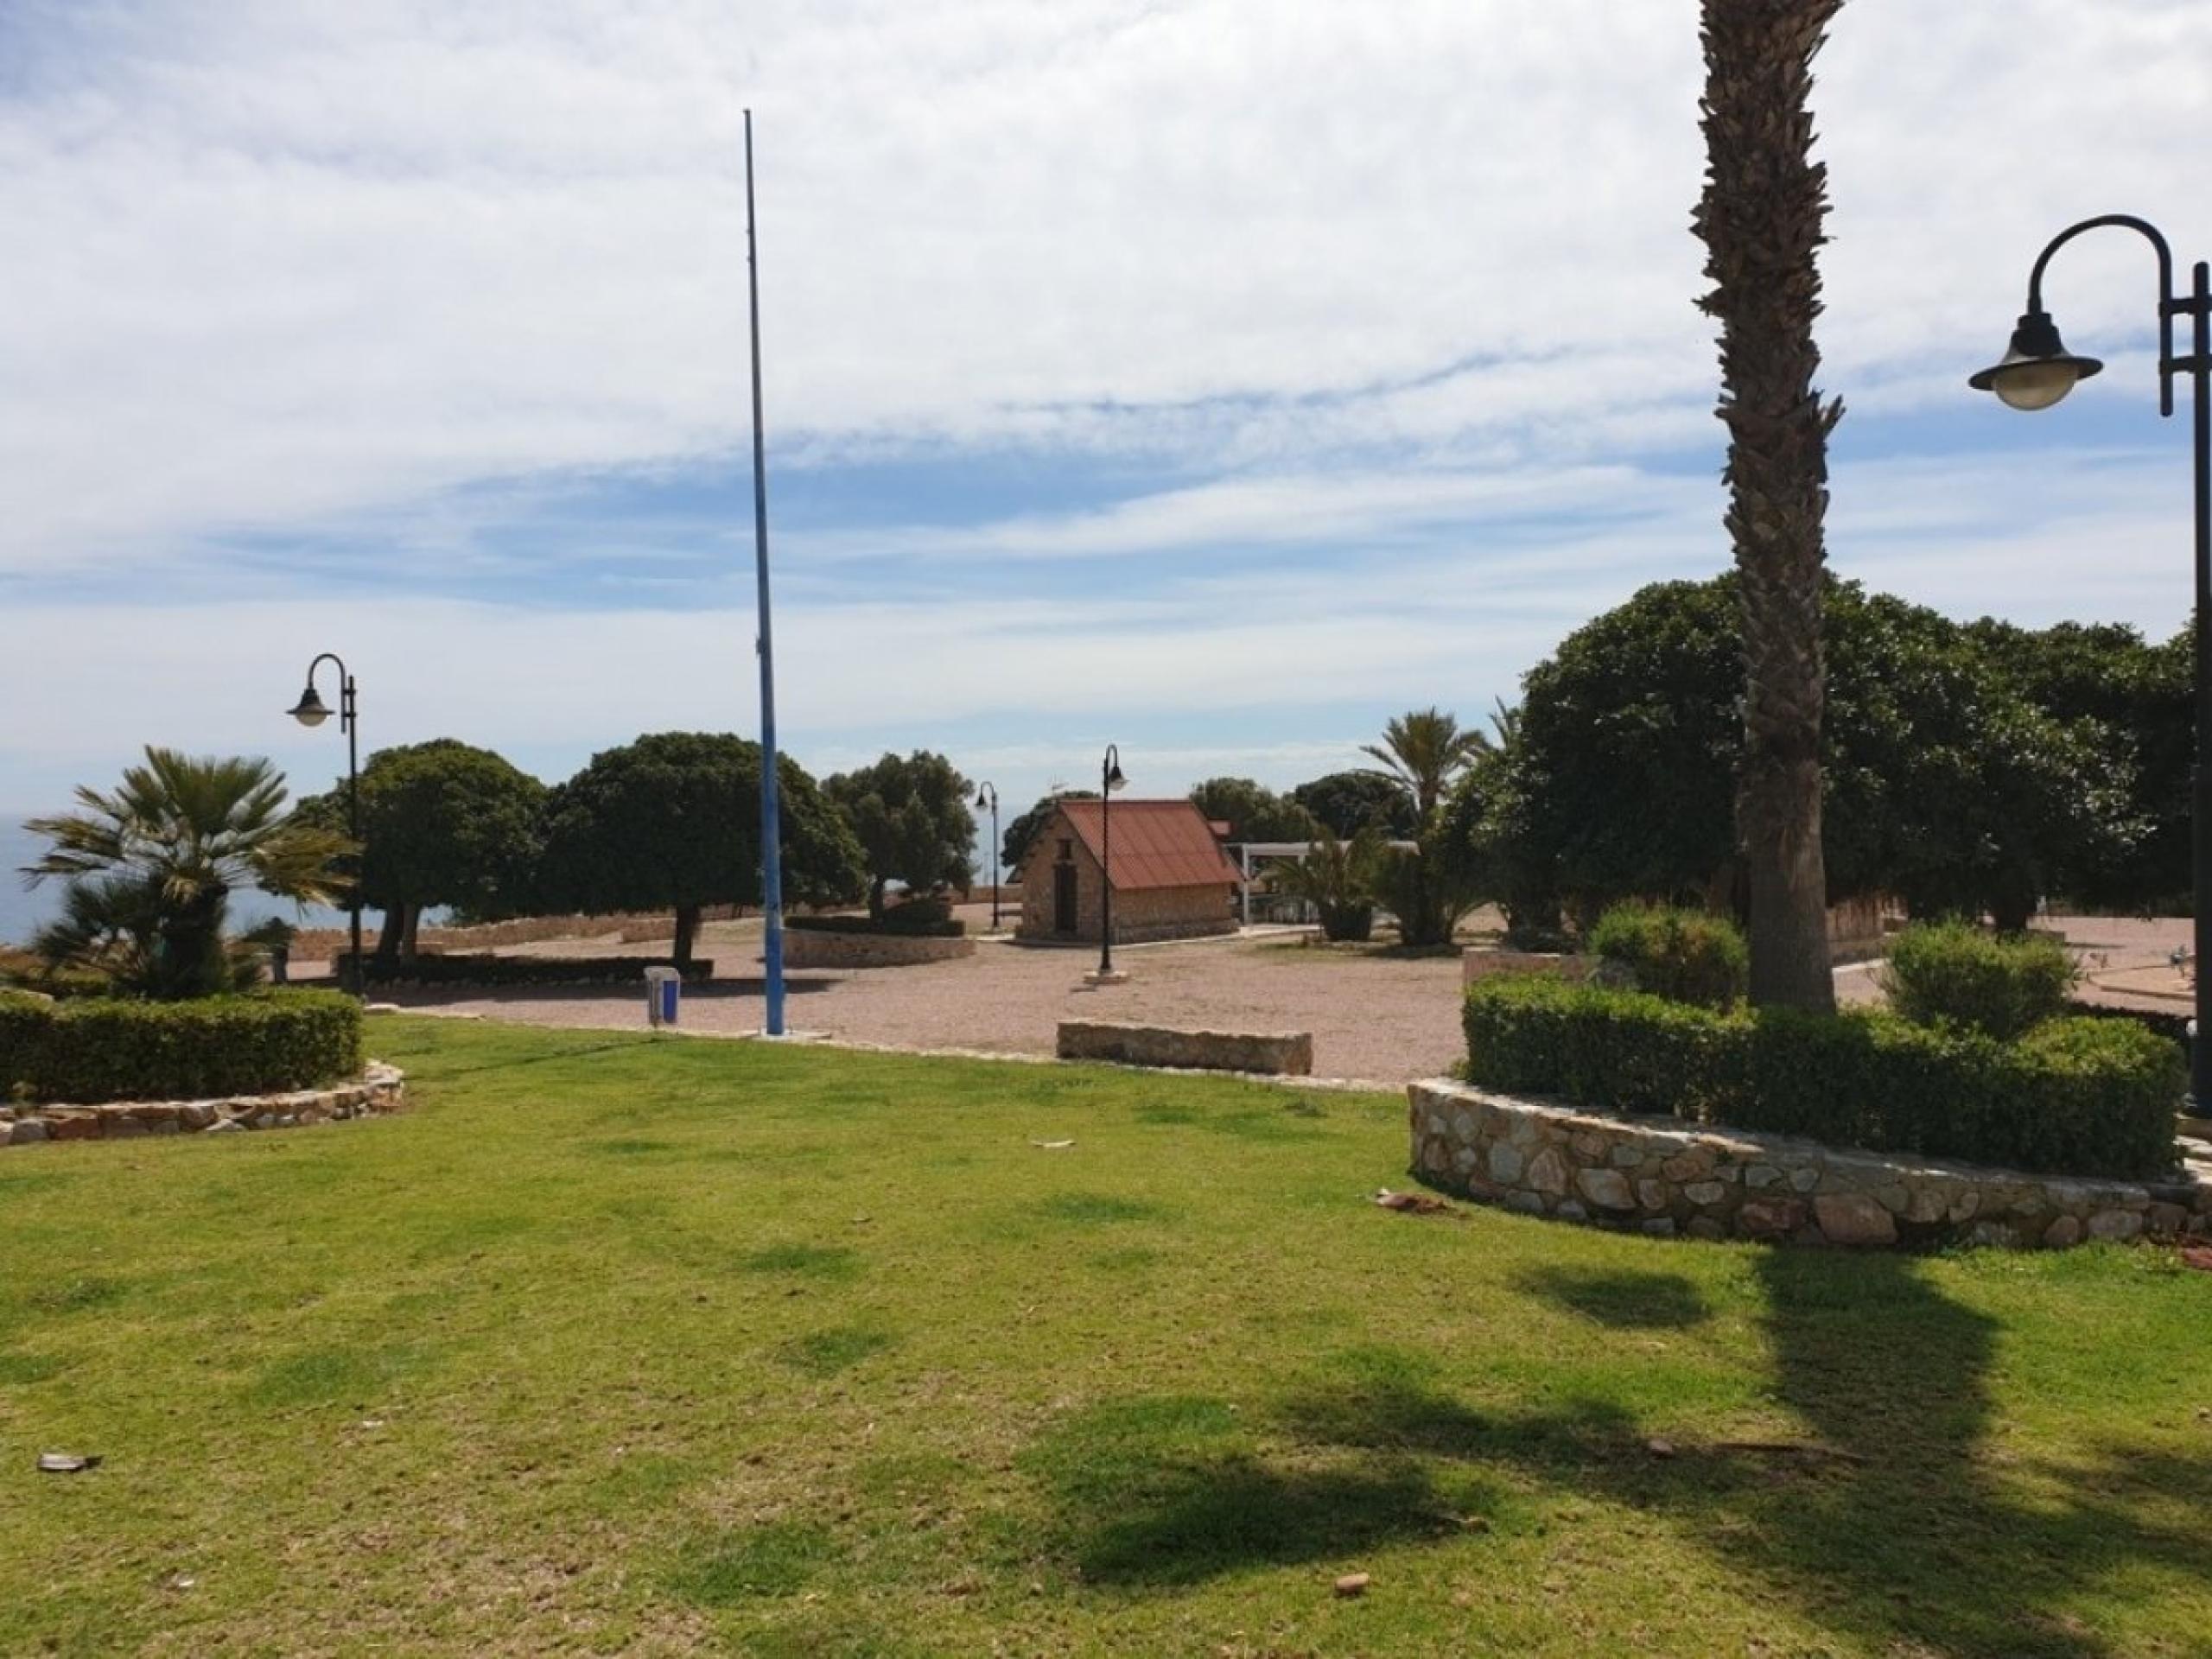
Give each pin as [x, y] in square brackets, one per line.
[273, 261]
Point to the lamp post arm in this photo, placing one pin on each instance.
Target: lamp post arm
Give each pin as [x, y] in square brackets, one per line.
[2169, 304]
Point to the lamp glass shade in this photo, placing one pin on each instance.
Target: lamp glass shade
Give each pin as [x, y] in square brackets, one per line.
[1114, 779]
[2036, 369]
[311, 710]
[2037, 383]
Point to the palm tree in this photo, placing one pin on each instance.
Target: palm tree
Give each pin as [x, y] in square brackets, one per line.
[1505, 721]
[1338, 879]
[1421, 752]
[151, 867]
[1760, 218]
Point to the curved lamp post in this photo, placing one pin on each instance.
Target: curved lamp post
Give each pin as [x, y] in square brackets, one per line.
[1109, 780]
[989, 796]
[2036, 371]
[311, 711]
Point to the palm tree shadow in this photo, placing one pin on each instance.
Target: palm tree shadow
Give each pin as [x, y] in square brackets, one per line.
[1888, 1518]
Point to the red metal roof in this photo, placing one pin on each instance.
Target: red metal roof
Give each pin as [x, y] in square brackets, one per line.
[1156, 844]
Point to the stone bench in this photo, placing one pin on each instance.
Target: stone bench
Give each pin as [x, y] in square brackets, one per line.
[1278, 1053]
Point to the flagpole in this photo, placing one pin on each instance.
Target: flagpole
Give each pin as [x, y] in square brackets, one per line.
[771, 851]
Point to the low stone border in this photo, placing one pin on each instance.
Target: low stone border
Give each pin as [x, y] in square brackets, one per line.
[380, 1089]
[1655, 1176]
[816, 947]
[1280, 1054]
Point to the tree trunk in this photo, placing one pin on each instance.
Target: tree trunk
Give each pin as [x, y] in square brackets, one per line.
[389, 936]
[875, 897]
[687, 928]
[1761, 218]
[409, 929]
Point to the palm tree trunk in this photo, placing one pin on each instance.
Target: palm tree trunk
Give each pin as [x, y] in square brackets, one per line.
[1761, 216]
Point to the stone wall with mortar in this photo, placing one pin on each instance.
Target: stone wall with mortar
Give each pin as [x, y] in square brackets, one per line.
[1148, 914]
[808, 947]
[380, 1089]
[1655, 1175]
[1278, 1053]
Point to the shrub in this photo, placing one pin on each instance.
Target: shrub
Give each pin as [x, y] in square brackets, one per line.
[1954, 974]
[1685, 956]
[109, 1048]
[940, 929]
[31, 973]
[487, 968]
[2083, 1096]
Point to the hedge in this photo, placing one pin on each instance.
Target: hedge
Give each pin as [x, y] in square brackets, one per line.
[2082, 1097]
[1685, 956]
[1950, 973]
[486, 969]
[941, 929]
[111, 1048]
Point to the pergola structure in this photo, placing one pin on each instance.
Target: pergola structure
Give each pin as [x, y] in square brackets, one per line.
[1247, 851]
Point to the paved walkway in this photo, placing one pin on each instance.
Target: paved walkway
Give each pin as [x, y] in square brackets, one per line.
[1374, 1016]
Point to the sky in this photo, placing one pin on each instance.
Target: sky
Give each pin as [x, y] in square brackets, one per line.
[1215, 379]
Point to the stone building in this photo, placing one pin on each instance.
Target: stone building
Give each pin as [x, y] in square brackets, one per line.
[1171, 878]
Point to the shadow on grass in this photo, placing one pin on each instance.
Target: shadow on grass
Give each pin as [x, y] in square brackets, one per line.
[1625, 1300]
[1886, 1518]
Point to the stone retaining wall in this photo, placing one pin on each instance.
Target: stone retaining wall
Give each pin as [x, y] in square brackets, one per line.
[1280, 1054]
[380, 1089]
[811, 947]
[1655, 1175]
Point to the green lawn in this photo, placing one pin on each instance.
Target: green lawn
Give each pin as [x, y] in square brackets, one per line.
[616, 1344]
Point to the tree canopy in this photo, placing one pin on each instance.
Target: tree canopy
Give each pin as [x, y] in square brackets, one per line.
[1253, 811]
[910, 814]
[1945, 783]
[673, 820]
[1345, 803]
[443, 822]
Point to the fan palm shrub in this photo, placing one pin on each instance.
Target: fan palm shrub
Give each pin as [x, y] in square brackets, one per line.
[150, 867]
[1338, 879]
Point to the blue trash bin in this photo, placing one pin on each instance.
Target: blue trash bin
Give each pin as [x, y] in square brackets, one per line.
[663, 995]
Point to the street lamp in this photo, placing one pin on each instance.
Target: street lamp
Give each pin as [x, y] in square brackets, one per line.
[1109, 780]
[2036, 372]
[312, 711]
[989, 796]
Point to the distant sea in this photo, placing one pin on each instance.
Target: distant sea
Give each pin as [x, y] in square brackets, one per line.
[22, 911]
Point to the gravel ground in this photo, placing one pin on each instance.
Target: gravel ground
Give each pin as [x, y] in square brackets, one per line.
[1374, 1016]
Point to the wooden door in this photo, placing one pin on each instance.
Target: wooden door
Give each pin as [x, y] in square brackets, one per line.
[1063, 898]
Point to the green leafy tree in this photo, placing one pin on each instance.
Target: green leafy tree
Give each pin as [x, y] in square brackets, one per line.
[443, 823]
[1345, 803]
[673, 820]
[1253, 811]
[910, 814]
[1944, 782]
[1021, 834]
[150, 867]
[1761, 219]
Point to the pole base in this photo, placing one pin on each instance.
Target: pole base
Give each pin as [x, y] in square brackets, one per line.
[1111, 977]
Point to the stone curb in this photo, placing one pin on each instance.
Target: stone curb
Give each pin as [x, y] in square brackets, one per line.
[1576, 1166]
[379, 1090]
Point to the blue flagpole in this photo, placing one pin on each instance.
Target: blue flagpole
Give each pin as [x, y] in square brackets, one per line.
[772, 850]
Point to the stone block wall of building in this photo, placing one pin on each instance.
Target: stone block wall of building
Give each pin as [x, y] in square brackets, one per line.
[1148, 914]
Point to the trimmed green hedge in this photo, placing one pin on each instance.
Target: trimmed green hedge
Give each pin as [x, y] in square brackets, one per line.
[1950, 973]
[1685, 956]
[946, 930]
[111, 1048]
[486, 969]
[2081, 1096]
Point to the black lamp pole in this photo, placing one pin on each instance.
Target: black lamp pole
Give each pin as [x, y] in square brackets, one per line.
[989, 796]
[312, 711]
[2036, 372]
[1109, 780]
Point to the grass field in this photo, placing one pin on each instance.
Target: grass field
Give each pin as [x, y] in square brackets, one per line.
[622, 1346]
